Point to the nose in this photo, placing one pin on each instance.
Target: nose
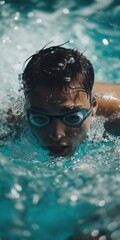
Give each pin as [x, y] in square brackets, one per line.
[57, 131]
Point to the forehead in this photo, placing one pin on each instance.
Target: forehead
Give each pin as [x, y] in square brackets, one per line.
[54, 98]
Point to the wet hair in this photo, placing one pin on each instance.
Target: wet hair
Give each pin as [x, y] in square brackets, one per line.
[58, 66]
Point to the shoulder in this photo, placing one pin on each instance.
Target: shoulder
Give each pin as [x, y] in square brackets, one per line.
[108, 88]
[108, 96]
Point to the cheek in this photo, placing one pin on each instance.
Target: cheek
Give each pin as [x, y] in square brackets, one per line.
[81, 131]
[86, 124]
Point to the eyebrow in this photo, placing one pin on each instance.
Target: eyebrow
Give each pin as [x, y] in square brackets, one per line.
[62, 109]
[39, 109]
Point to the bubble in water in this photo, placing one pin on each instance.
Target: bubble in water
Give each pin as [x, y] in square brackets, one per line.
[14, 194]
[66, 11]
[73, 198]
[17, 16]
[101, 203]
[39, 20]
[19, 206]
[18, 187]
[30, 14]
[115, 235]
[35, 226]
[112, 226]
[105, 42]
[26, 233]
[35, 199]
[95, 233]
[103, 237]
[71, 41]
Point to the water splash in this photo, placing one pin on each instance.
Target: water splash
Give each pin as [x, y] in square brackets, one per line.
[35, 189]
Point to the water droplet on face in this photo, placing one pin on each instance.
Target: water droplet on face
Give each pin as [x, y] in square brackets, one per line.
[71, 60]
[67, 79]
[75, 134]
[61, 64]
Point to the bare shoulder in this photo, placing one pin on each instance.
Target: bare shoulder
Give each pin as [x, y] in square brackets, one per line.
[108, 89]
[108, 97]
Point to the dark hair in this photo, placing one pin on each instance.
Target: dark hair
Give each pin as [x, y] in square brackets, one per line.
[58, 66]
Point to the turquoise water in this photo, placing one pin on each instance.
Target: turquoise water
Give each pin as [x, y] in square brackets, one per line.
[42, 197]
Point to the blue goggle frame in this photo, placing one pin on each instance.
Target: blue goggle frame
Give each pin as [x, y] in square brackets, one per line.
[72, 118]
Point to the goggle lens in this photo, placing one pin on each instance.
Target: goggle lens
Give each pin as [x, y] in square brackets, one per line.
[38, 120]
[71, 119]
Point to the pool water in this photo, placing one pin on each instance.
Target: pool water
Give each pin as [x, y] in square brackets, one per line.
[56, 198]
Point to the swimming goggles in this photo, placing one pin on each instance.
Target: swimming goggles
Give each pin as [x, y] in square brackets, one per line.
[72, 118]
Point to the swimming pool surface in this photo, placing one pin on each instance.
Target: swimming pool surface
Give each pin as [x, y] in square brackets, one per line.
[43, 197]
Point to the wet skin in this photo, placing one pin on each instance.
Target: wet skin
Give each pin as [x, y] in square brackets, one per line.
[58, 138]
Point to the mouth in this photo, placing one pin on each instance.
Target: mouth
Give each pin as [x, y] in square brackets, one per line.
[59, 151]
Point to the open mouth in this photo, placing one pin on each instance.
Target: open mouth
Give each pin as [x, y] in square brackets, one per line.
[58, 150]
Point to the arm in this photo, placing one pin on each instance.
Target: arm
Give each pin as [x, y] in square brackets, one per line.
[108, 96]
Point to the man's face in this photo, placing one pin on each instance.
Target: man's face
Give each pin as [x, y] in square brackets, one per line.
[57, 137]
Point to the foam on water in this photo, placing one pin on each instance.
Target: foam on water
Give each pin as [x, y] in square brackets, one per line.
[42, 197]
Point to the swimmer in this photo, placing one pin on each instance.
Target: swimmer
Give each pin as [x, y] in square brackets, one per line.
[61, 99]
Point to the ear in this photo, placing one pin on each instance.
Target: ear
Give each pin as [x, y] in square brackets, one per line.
[94, 105]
